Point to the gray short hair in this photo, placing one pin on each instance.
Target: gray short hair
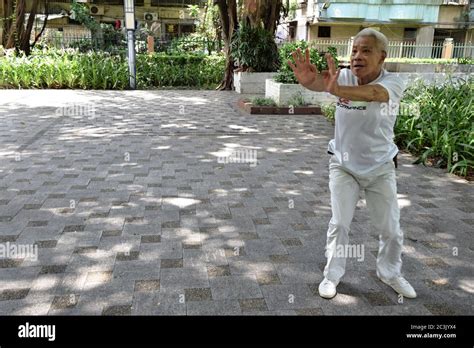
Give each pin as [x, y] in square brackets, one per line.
[381, 39]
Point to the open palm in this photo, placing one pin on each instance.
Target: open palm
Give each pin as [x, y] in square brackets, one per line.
[305, 72]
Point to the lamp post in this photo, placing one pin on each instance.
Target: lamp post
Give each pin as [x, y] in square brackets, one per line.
[129, 10]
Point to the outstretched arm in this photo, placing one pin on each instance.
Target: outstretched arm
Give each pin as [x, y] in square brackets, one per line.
[369, 93]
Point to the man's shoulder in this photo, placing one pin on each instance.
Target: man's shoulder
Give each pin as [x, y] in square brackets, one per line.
[391, 78]
[387, 75]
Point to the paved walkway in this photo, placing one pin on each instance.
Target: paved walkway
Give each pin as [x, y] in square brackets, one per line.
[124, 196]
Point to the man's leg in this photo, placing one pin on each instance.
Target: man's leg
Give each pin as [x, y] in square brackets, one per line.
[344, 196]
[381, 196]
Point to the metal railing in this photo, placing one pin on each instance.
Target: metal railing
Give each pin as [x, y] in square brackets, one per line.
[396, 49]
[401, 49]
[343, 46]
[116, 43]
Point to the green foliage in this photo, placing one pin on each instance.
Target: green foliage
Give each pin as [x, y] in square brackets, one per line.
[97, 70]
[193, 11]
[286, 75]
[109, 40]
[194, 43]
[329, 110]
[292, 9]
[208, 22]
[80, 13]
[64, 69]
[255, 48]
[467, 60]
[297, 100]
[436, 122]
[162, 70]
[263, 101]
[83, 45]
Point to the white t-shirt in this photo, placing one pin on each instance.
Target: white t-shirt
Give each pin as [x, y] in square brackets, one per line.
[364, 135]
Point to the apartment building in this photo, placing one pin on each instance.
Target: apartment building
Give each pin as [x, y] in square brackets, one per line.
[172, 16]
[419, 21]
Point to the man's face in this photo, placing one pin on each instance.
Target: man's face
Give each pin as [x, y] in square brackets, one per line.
[366, 58]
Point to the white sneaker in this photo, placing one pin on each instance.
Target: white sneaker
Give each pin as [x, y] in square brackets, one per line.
[401, 286]
[327, 288]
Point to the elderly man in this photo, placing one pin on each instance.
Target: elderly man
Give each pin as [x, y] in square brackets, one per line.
[363, 155]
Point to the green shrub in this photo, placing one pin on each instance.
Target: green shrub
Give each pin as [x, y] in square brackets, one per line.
[263, 101]
[161, 70]
[97, 70]
[466, 60]
[297, 100]
[286, 75]
[436, 122]
[329, 110]
[255, 49]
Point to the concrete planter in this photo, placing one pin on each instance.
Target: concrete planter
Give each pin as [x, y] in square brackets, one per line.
[281, 93]
[251, 82]
[278, 110]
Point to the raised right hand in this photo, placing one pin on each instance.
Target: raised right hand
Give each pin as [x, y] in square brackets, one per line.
[306, 73]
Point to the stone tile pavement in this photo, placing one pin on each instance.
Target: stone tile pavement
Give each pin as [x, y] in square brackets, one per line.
[121, 203]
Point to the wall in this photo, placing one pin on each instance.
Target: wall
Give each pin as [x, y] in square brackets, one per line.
[344, 32]
[449, 14]
[393, 33]
[282, 93]
[340, 32]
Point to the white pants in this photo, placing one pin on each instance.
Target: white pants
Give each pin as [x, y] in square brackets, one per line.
[381, 195]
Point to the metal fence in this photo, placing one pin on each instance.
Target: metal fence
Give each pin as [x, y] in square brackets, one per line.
[116, 43]
[401, 49]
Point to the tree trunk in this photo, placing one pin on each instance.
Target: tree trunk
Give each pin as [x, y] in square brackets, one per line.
[25, 37]
[15, 33]
[254, 12]
[229, 21]
[16, 29]
[202, 29]
[266, 12]
[46, 11]
[8, 20]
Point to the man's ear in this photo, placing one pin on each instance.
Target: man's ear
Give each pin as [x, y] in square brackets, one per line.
[384, 55]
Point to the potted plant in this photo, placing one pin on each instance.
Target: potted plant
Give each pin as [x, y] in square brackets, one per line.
[255, 50]
[284, 85]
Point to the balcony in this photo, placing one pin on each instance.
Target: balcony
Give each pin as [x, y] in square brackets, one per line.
[456, 2]
[380, 11]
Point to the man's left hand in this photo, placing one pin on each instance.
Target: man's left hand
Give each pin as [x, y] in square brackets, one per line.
[330, 79]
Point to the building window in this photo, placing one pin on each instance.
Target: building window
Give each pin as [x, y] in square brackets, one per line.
[292, 29]
[324, 31]
[410, 34]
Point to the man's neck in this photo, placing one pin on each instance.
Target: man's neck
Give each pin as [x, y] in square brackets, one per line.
[368, 79]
